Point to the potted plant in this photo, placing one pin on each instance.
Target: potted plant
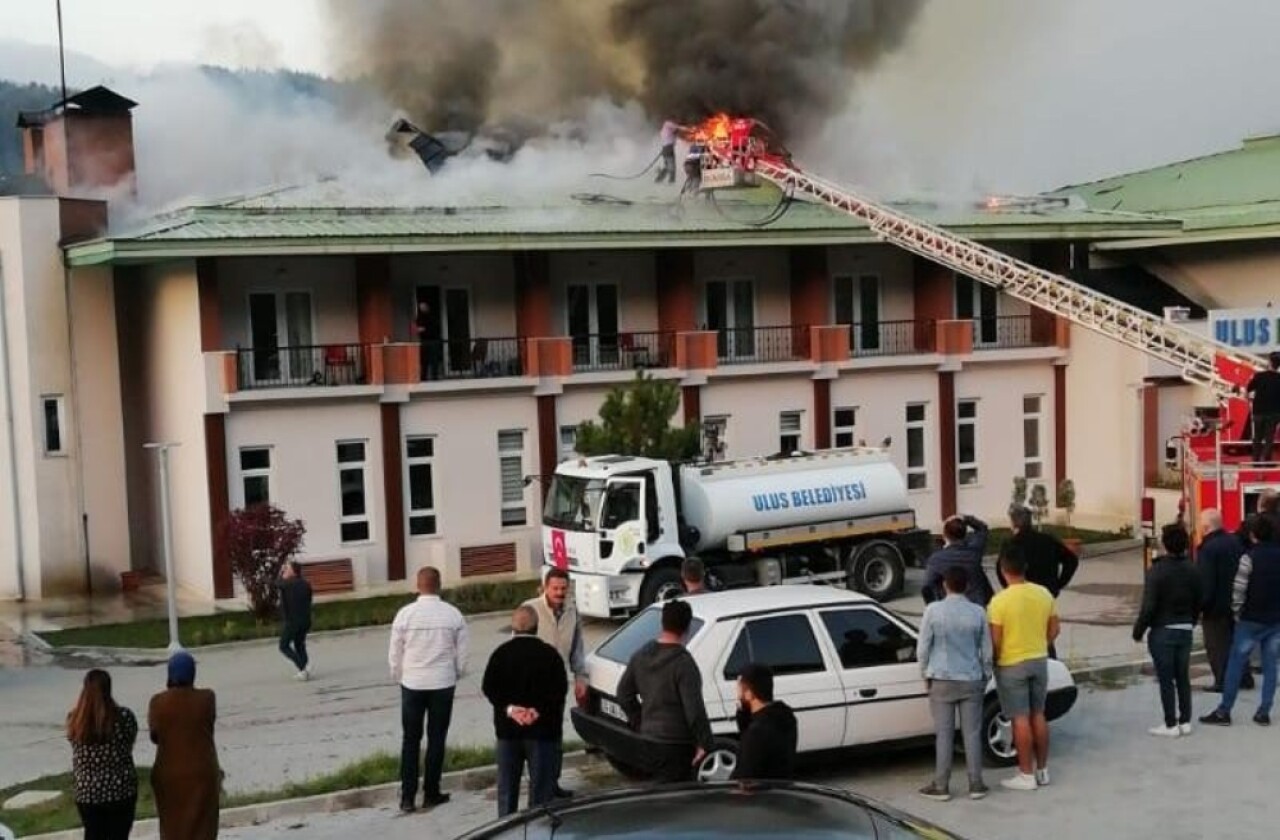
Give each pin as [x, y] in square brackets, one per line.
[1019, 497]
[1067, 501]
[1038, 501]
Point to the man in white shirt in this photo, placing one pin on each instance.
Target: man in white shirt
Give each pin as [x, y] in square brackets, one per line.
[428, 656]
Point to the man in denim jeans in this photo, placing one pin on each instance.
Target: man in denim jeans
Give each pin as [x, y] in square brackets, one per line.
[1255, 600]
[955, 655]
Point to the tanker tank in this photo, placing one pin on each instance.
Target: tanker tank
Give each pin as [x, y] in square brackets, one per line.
[760, 494]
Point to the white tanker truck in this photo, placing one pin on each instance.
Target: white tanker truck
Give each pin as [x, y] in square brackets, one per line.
[622, 526]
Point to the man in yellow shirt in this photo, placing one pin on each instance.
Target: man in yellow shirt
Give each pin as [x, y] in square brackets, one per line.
[1024, 622]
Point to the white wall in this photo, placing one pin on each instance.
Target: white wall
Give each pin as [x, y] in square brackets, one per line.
[489, 278]
[1221, 275]
[330, 280]
[753, 406]
[632, 271]
[768, 267]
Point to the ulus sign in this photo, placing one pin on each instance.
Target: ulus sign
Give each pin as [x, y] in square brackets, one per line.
[1257, 330]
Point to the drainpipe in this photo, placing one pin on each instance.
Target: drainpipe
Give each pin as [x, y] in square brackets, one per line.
[13, 445]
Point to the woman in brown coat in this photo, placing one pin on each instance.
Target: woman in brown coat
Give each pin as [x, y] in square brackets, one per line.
[185, 776]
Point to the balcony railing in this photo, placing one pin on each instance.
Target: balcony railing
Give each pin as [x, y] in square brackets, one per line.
[1002, 333]
[296, 367]
[888, 338]
[472, 358]
[623, 351]
[754, 345]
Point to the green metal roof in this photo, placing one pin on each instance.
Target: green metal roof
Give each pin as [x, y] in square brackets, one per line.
[281, 223]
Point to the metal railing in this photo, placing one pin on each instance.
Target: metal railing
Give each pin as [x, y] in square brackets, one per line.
[471, 358]
[298, 367]
[1003, 332]
[623, 351]
[889, 338]
[754, 345]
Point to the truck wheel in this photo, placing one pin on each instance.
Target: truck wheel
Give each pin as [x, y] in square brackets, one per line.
[877, 570]
[660, 584]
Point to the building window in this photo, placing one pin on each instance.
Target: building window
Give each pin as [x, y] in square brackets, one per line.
[715, 437]
[255, 475]
[420, 455]
[844, 422]
[511, 467]
[967, 442]
[568, 443]
[857, 303]
[789, 432]
[54, 407]
[352, 484]
[979, 303]
[1032, 460]
[917, 466]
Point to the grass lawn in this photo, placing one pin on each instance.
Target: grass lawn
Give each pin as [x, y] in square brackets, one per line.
[1000, 535]
[197, 631]
[377, 769]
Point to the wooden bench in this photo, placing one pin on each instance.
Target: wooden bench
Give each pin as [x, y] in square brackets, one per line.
[329, 576]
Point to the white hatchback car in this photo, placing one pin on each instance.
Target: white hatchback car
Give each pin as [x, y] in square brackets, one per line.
[845, 664]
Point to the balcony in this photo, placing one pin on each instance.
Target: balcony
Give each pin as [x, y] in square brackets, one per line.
[761, 345]
[623, 351]
[298, 367]
[473, 358]
[889, 338]
[1005, 332]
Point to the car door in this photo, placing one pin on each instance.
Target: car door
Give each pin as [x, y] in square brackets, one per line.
[803, 677]
[883, 688]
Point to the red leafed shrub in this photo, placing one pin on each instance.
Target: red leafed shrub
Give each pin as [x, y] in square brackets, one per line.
[259, 540]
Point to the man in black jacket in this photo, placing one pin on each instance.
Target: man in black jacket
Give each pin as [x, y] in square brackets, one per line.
[966, 542]
[526, 683]
[1217, 559]
[767, 729]
[1049, 563]
[295, 615]
[1171, 599]
[673, 718]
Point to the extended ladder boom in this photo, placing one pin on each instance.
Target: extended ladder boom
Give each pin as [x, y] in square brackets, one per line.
[1200, 360]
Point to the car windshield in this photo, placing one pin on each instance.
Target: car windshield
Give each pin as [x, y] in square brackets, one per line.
[636, 633]
[573, 503]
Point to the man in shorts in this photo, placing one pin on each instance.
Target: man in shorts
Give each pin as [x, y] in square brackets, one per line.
[1024, 623]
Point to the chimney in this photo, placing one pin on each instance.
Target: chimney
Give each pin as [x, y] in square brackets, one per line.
[83, 144]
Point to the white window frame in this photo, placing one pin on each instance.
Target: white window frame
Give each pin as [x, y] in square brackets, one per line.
[1035, 460]
[60, 417]
[790, 425]
[363, 466]
[411, 512]
[256, 472]
[920, 472]
[504, 455]
[967, 467]
[568, 443]
[850, 429]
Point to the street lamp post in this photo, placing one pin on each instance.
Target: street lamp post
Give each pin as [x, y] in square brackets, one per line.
[162, 454]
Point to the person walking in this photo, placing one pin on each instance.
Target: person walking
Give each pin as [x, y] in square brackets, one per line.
[428, 655]
[559, 626]
[1217, 560]
[295, 617]
[1255, 602]
[1024, 623]
[526, 683]
[955, 654]
[965, 544]
[1264, 391]
[661, 693]
[104, 780]
[767, 731]
[1171, 599]
[1049, 562]
[185, 778]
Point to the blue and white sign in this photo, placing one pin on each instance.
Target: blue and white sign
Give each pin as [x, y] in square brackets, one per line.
[1253, 330]
[810, 497]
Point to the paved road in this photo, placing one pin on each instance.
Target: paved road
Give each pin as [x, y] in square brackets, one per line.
[272, 729]
[1110, 780]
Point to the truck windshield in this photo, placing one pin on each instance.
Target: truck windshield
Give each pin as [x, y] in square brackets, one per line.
[573, 503]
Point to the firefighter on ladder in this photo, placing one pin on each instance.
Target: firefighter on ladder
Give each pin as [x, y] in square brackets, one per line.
[671, 131]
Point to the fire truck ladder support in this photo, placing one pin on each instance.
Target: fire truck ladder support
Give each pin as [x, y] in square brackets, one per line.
[1194, 356]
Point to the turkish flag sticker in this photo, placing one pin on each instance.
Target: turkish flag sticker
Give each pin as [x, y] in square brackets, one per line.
[559, 552]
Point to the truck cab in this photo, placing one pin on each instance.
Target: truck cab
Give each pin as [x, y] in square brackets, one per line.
[608, 521]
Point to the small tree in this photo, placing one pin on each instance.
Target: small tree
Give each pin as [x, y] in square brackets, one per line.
[635, 420]
[1067, 498]
[1039, 503]
[259, 540]
[1019, 498]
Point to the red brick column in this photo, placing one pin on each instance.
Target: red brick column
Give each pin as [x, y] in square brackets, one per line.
[947, 442]
[935, 295]
[822, 414]
[374, 309]
[1060, 422]
[393, 489]
[533, 295]
[810, 285]
[215, 468]
[677, 290]
[692, 399]
[548, 441]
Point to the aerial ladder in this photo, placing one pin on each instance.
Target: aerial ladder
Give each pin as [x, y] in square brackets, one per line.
[740, 151]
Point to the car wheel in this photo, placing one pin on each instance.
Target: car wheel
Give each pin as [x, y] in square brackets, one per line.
[997, 736]
[627, 771]
[877, 570]
[659, 585]
[719, 764]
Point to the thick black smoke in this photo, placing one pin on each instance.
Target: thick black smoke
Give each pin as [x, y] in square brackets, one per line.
[462, 64]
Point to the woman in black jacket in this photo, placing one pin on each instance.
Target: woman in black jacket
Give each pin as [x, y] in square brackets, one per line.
[1171, 599]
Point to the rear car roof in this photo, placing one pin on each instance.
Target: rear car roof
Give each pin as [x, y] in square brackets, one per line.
[715, 606]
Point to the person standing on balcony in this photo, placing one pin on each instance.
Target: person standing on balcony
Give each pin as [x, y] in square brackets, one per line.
[1264, 391]
[430, 348]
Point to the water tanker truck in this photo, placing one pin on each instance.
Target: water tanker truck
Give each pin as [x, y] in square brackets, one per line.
[622, 526]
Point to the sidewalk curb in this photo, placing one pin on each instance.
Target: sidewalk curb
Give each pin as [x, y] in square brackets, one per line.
[324, 803]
